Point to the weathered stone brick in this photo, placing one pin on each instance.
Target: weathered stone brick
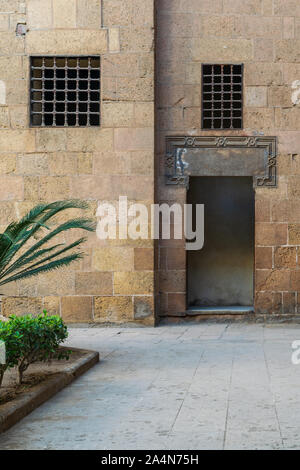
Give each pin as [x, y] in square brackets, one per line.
[17, 141]
[176, 303]
[267, 7]
[144, 309]
[113, 259]
[16, 92]
[7, 212]
[89, 14]
[142, 163]
[39, 14]
[218, 26]
[289, 302]
[294, 234]
[221, 49]
[256, 96]
[120, 65]
[21, 306]
[11, 67]
[173, 281]
[268, 302]
[285, 257]
[51, 140]
[62, 163]
[60, 282]
[262, 210]
[143, 259]
[259, 119]
[288, 141]
[135, 89]
[11, 188]
[114, 39]
[18, 117]
[118, 309]
[89, 140]
[272, 280]
[54, 188]
[294, 167]
[280, 210]
[77, 309]
[295, 280]
[251, 7]
[64, 13]
[134, 139]
[268, 234]
[31, 188]
[112, 163]
[288, 27]
[52, 304]
[293, 187]
[287, 50]
[10, 44]
[136, 39]
[4, 117]
[4, 22]
[93, 283]
[144, 114]
[279, 96]
[32, 164]
[282, 7]
[263, 49]
[172, 24]
[262, 74]
[287, 118]
[84, 163]
[259, 26]
[117, 114]
[133, 283]
[74, 41]
[263, 257]
[205, 6]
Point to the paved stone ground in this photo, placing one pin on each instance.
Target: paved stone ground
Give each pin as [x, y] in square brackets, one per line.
[207, 386]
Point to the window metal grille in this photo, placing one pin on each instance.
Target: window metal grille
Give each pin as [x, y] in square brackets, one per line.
[222, 96]
[65, 91]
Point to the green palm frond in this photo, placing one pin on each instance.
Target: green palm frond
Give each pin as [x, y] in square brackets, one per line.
[37, 258]
[18, 233]
[44, 269]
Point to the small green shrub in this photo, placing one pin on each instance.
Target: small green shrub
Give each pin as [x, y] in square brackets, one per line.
[37, 340]
[11, 339]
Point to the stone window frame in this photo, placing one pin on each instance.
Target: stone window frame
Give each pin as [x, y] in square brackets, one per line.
[64, 56]
[222, 92]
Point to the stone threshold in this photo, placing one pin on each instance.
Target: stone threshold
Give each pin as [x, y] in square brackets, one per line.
[228, 310]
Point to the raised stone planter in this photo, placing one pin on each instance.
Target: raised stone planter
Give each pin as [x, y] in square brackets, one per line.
[61, 374]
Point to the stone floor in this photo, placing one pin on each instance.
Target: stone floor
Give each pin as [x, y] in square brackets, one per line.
[204, 386]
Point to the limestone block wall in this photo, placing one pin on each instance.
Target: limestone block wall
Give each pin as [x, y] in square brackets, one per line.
[114, 283]
[265, 36]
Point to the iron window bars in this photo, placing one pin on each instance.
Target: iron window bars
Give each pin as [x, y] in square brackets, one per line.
[222, 96]
[65, 91]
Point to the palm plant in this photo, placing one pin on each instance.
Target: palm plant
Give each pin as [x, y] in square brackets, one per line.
[39, 257]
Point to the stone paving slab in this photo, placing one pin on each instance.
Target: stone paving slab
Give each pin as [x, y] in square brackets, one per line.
[199, 386]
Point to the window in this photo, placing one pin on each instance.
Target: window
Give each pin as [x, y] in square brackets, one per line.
[222, 96]
[65, 91]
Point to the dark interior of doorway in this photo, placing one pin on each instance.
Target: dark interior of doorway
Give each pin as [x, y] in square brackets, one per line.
[221, 273]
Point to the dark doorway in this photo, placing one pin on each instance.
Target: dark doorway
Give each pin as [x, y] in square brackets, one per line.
[221, 274]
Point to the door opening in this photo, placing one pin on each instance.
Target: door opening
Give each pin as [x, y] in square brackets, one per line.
[220, 276]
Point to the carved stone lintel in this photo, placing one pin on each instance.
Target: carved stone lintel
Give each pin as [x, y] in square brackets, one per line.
[177, 172]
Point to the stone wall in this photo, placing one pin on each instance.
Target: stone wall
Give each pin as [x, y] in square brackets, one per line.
[114, 283]
[265, 36]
